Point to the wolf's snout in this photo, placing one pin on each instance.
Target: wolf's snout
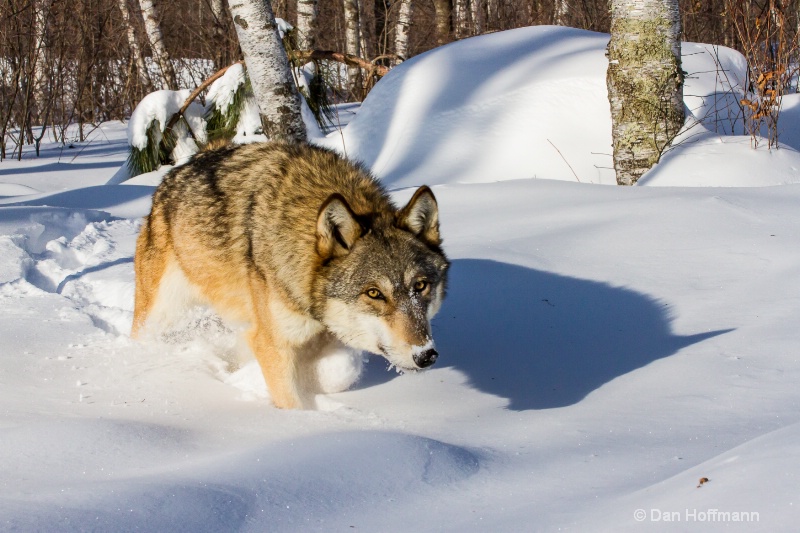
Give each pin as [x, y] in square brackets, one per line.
[426, 358]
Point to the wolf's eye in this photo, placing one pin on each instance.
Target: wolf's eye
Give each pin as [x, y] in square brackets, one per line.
[375, 294]
[420, 285]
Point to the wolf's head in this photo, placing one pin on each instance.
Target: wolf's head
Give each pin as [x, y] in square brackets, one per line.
[384, 278]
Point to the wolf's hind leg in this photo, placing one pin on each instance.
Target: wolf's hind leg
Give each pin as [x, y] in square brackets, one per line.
[150, 262]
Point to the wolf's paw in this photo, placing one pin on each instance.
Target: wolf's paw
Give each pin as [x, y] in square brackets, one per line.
[338, 368]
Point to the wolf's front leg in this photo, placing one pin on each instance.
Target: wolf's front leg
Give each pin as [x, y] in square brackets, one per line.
[279, 366]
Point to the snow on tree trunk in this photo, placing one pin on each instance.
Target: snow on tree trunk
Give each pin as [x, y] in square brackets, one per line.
[403, 28]
[645, 83]
[153, 29]
[307, 11]
[352, 36]
[269, 71]
[442, 8]
[133, 45]
[561, 13]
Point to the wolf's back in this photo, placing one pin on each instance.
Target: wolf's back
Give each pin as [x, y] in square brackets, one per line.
[259, 203]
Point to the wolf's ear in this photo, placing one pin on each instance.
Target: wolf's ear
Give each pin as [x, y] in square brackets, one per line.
[337, 228]
[421, 216]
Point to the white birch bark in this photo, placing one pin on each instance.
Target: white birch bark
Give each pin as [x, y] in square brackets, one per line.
[645, 83]
[460, 19]
[268, 67]
[560, 13]
[442, 14]
[133, 44]
[492, 9]
[307, 11]
[476, 11]
[152, 27]
[40, 68]
[403, 28]
[352, 37]
[218, 11]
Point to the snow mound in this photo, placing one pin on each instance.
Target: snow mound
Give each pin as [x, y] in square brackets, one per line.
[15, 189]
[532, 103]
[325, 478]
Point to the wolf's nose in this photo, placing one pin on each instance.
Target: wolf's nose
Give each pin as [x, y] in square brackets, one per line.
[426, 358]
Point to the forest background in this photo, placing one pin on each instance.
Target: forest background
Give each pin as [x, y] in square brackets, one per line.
[90, 61]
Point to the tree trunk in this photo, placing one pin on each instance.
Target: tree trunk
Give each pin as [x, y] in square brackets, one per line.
[476, 7]
[133, 45]
[460, 28]
[268, 67]
[561, 13]
[366, 28]
[352, 35]
[153, 28]
[40, 95]
[645, 83]
[307, 11]
[221, 54]
[403, 28]
[442, 8]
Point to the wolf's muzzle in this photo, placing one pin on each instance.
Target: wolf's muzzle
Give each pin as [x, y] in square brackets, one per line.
[426, 358]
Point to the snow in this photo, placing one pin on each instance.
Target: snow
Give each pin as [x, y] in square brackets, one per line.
[221, 92]
[532, 103]
[601, 348]
[159, 106]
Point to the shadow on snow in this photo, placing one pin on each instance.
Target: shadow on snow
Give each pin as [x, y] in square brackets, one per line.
[543, 340]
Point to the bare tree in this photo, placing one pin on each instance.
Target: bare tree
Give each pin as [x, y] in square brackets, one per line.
[40, 67]
[221, 56]
[645, 83]
[561, 13]
[307, 11]
[442, 14]
[153, 28]
[460, 22]
[476, 10]
[402, 28]
[352, 33]
[133, 44]
[269, 70]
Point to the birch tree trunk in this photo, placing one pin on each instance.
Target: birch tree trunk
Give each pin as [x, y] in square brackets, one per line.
[476, 8]
[460, 19]
[153, 28]
[40, 68]
[307, 11]
[133, 45]
[442, 8]
[645, 83]
[352, 35]
[221, 58]
[403, 28]
[561, 13]
[492, 14]
[268, 67]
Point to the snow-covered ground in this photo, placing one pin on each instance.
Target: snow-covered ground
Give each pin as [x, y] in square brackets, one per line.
[602, 348]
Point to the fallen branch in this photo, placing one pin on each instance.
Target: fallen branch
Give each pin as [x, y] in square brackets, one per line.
[347, 59]
[200, 88]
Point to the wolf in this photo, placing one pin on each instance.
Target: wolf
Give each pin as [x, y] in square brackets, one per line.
[303, 248]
